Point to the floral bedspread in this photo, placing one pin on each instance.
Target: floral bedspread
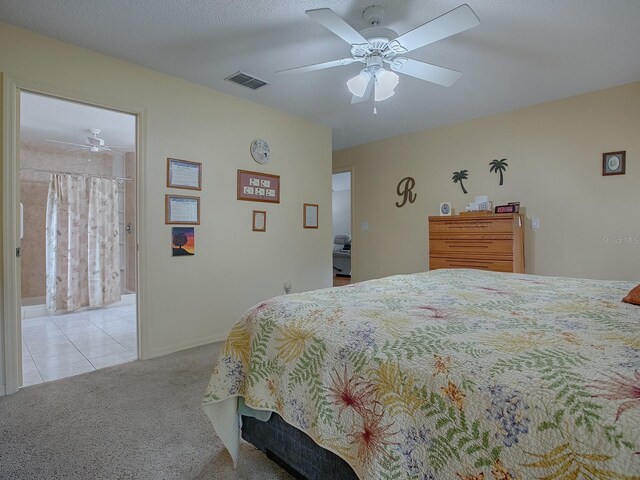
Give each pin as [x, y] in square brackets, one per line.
[449, 374]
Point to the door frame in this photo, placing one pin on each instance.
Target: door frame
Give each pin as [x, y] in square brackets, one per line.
[354, 237]
[11, 308]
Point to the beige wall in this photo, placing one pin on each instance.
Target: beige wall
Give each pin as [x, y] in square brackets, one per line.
[33, 196]
[194, 300]
[590, 225]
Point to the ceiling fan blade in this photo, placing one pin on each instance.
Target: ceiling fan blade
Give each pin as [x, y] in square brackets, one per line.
[367, 93]
[457, 20]
[336, 25]
[65, 143]
[319, 66]
[425, 71]
[112, 151]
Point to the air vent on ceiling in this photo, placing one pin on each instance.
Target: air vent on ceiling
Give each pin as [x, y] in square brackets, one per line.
[246, 80]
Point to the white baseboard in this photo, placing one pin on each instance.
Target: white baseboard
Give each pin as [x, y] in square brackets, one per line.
[176, 347]
[32, 311]
[125, 299]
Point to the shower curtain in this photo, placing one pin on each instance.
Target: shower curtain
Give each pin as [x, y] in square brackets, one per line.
[82, 243]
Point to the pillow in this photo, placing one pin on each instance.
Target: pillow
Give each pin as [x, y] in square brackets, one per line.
[634, 296]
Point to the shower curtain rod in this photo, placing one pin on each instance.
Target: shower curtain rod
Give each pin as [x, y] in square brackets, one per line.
[125, 179]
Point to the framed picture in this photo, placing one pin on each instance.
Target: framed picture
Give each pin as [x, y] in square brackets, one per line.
[259, 221]
[184, 174]
[183, 241]
[182, 209]
[258, 187]
[613, 163]
[310, 215]
[446, 209]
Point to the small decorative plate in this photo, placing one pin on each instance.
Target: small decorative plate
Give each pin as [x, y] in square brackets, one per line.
[613, 163]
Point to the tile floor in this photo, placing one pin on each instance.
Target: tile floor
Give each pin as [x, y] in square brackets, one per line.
[59, 346]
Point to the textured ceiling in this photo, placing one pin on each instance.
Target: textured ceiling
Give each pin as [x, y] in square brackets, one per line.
[45, 118]
[523, 52]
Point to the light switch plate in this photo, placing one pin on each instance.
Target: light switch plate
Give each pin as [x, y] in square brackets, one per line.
[535, 223]
[364, 226]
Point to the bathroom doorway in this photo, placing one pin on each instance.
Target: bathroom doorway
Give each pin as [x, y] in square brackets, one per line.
[78, 256]
[341, 220]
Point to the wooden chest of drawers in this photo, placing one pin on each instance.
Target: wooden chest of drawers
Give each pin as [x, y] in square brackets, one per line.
[487, 242]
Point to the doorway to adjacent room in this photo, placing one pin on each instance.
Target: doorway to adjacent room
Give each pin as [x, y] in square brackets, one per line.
[78, 258]
[341, 221]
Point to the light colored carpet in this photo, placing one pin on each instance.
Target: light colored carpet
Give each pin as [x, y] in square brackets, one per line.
[140, 420]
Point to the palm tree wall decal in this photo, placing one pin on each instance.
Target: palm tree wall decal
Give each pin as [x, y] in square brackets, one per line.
[459, 176]
[499, 166]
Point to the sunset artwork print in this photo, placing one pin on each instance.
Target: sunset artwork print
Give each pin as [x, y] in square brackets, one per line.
[183, 241]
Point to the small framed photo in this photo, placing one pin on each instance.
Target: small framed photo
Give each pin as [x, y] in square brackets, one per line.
[310, 215]
[613, 163]
[184, 174]
[182, 209]
[446, 209]
[259, 221]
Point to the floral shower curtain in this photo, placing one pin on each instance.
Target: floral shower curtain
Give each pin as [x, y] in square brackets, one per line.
[82, 243]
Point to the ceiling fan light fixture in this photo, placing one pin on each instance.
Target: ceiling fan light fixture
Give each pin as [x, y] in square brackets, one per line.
[358, 84]
[378, 47]
[386, 82]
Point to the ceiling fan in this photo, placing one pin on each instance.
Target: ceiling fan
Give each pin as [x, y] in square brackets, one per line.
[94, 144]
[382, 46]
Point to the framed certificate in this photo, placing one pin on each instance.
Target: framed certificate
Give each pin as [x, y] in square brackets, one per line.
[310, 215]
[182, 209]
[184, 174]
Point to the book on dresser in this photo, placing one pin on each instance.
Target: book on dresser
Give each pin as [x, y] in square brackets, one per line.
[487, 242]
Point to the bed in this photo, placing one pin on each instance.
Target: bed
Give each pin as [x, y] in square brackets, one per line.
[448, 374]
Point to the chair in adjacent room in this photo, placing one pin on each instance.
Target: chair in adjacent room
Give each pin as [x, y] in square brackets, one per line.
[342, 255]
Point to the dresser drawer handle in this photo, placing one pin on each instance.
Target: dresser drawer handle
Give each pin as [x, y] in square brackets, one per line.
[467, 265]
[457, 243]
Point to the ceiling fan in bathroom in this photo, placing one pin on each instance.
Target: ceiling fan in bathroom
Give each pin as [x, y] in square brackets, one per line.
[94, 144]
[383, 52]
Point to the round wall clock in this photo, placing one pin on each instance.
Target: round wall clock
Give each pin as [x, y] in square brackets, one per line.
[260, 151]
